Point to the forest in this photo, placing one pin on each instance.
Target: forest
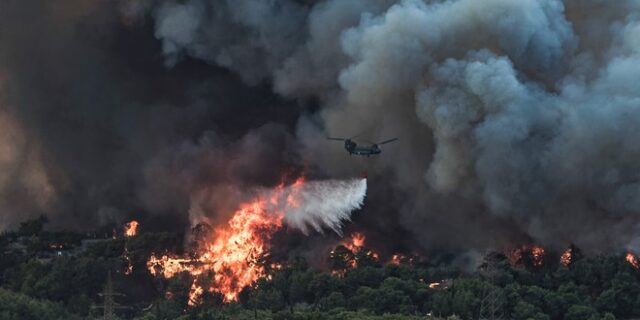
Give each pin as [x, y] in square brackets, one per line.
[62, 275]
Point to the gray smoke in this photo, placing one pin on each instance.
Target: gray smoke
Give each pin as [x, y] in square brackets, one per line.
[517, 119]
[95, 129]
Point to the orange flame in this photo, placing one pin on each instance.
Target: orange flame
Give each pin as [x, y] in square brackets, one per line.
[355, 252]
[566, 257]
[399, 259]
[355, 242]
[396, 259]
[631, 258]
[537, 254]
[131, 228]
[234, 258]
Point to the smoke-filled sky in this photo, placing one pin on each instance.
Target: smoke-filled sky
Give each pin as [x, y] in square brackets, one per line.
[519, 121]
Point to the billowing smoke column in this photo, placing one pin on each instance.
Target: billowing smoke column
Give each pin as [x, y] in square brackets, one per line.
[518, 120]
[517, 115]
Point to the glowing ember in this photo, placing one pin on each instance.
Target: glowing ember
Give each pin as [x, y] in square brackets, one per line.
[538, 256]
[131, 228]
[566, 257]
[350, 254]
[356, 251]
[631, 258]
[534, 253]
[355, 242]
[129, 268]
[233, 258]
[515, 257]
[398, 259]
[439, 285]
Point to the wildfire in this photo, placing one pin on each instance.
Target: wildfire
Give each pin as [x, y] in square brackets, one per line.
[234, 256]
[131, 228]
[535, 253]
[631, 258]
[538, 256]
[129, 268]
[350, 251]
[566, 257]
[355, 242]
[398, 259]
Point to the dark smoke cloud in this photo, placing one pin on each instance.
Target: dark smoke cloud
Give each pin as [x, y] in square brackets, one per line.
[96, 129]
[517, 119]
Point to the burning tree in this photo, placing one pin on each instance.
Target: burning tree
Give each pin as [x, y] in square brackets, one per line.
[350, 254]
[234, 255]
[569, 256]
[131, 228]
[528, 256]
[633, 260]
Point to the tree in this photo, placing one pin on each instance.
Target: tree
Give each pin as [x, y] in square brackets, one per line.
[580, 312]
[32, 227]
[299, 286]
[334, 300]
[441, 303]
[606, 301]
[18, 306]
[269, 299]
[608, 316]
[465, 303]
[527, 311]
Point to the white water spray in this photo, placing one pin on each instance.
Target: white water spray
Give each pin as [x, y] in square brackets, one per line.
[321, 204]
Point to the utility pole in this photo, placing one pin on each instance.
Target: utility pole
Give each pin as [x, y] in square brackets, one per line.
[109, 305]
[491, 304]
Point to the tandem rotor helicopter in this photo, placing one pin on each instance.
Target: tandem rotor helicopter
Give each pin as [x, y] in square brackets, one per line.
[362, 150]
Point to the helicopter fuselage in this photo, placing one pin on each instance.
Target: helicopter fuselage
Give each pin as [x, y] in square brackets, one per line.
[366, 150]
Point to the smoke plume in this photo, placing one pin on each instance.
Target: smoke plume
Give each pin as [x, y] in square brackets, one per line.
[323, 204]
[517, 119]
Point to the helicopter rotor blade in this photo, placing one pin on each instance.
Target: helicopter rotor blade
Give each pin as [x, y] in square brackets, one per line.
[387, 141]
[357, 135]
[337, 139]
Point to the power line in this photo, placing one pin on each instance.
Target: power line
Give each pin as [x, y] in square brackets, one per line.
[491, 304]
